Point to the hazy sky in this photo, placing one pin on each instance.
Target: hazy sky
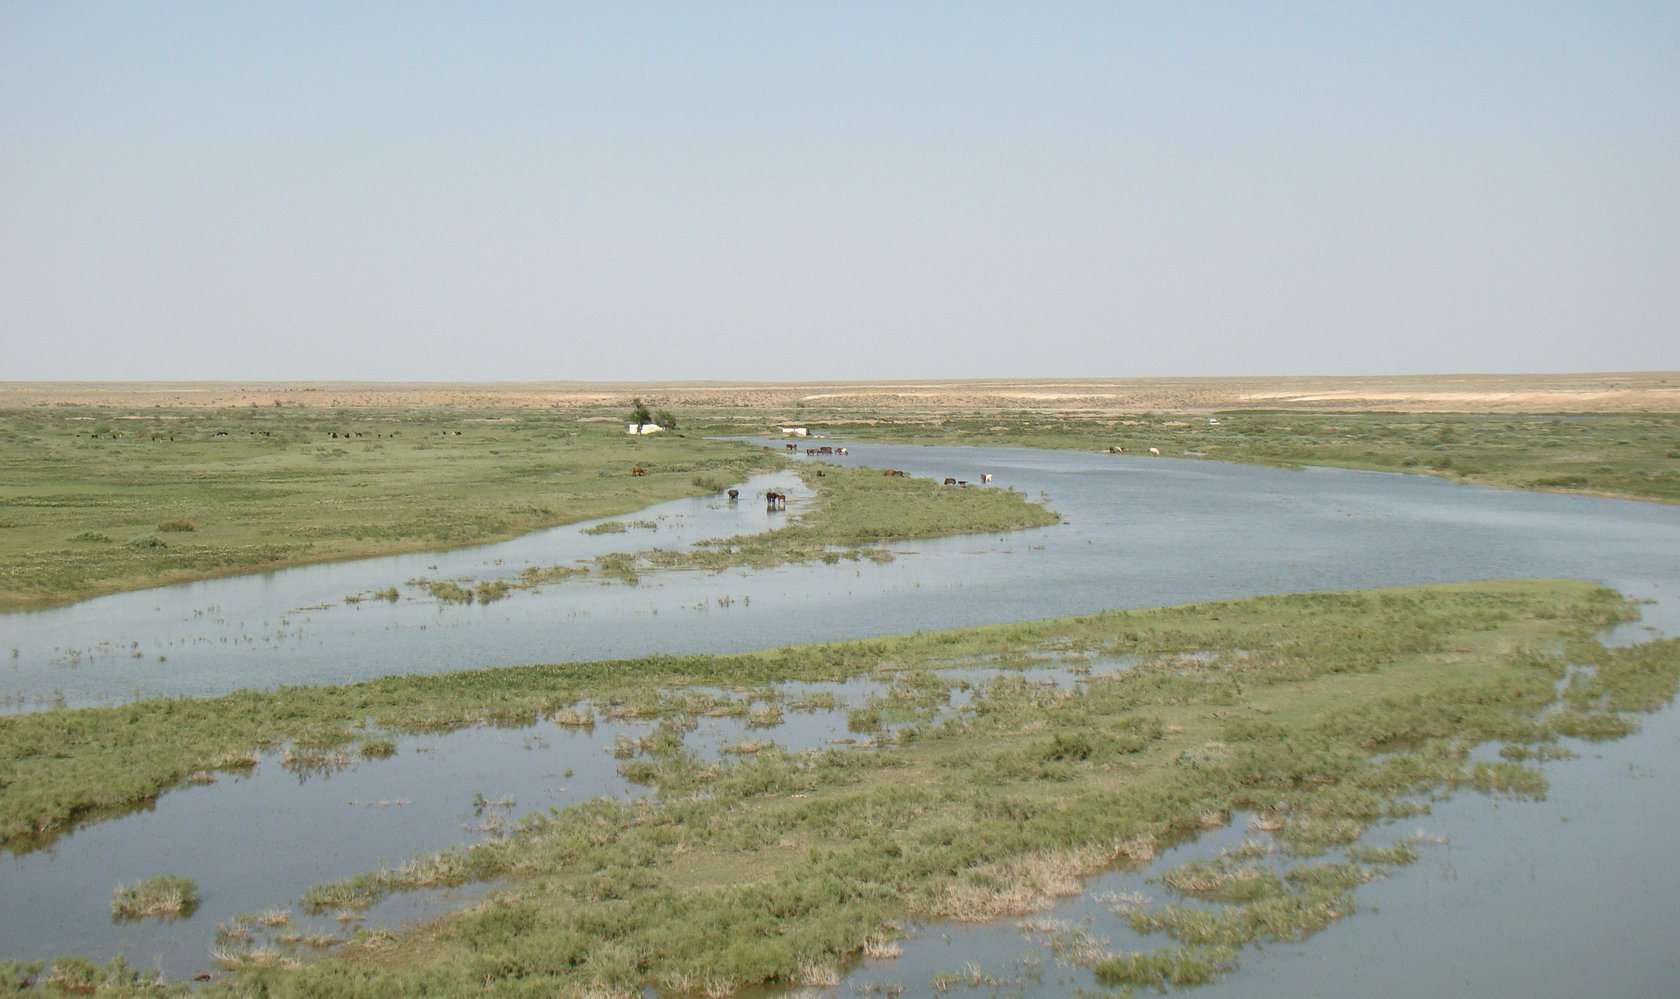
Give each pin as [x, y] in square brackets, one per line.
[681, 190]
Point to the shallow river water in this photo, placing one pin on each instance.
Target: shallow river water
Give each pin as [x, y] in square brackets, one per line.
[1571, 889]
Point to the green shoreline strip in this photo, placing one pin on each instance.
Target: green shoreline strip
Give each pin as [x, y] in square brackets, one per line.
[1624, 455]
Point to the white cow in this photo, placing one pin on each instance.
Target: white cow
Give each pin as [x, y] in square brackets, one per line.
[985, 477]
[1155, 451]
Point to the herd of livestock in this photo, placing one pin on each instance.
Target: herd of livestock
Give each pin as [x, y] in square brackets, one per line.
[778, 501]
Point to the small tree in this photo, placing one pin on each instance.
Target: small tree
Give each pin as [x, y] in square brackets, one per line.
[640, 415]
[665, 419]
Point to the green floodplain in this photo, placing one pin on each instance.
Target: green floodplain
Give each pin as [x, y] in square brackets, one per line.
[1321, 714]
[103, 500]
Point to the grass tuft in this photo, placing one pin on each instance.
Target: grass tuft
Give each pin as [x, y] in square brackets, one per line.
[166, 896]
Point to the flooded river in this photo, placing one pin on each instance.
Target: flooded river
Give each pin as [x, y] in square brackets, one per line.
[1511, 879]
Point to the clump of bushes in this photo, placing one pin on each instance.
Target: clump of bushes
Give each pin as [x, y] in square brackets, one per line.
[177, 525]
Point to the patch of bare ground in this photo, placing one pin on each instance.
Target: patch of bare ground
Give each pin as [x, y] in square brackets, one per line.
[1601, 392]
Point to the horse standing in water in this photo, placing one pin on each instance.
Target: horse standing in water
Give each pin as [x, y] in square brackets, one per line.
[775, 501]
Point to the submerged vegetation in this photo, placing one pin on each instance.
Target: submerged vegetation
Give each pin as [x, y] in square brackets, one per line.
[1319, 715]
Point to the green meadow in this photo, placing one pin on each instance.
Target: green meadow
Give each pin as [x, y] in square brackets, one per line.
[97, 501]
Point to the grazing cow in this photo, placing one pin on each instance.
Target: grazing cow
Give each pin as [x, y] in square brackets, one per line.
[775, 501]
[950, 481]
[1116, 450]
[985, 478]
[1155, 451]
[893, 472]
[734, 494]
[638, 470]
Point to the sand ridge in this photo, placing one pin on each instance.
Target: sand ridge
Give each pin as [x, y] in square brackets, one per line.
[1536, 393]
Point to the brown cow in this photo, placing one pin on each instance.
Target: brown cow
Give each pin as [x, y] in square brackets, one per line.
[638, 470]
[775, 501]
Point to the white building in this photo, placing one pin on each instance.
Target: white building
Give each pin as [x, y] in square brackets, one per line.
[795, 432]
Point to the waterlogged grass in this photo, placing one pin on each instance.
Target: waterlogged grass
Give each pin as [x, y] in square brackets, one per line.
[98, 501]
[1634, 455]
[1320, 715]
[70, 976]
[167, 896]
[853, 512]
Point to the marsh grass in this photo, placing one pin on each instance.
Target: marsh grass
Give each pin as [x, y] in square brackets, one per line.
[77, 976]
[853, 513]
[843, 845]
[1317, 713]
[165, 896]
[1616, 454]
[273, 487]
[378, 747]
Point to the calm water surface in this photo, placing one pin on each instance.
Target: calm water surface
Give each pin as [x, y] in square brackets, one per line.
[1568, 890]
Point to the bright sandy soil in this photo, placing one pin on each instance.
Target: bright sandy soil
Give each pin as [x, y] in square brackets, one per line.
[1603, 392]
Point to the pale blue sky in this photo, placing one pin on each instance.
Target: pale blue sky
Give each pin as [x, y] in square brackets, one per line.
[838, 191]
